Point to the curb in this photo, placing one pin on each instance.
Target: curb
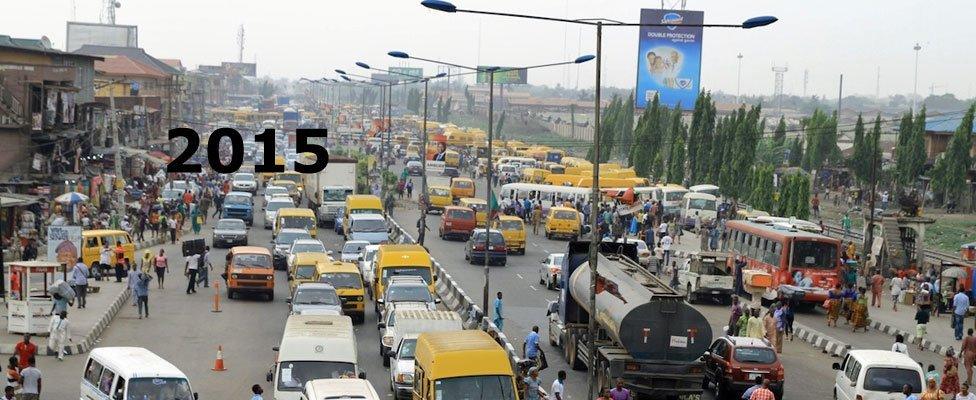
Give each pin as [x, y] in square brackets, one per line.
[819, 340]
[910, 337]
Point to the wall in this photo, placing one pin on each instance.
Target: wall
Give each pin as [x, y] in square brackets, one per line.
[24, 57]
[566, 130]
[14, 160]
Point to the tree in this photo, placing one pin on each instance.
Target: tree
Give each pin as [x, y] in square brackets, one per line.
[439, 110]
[779, 137]
[794, 199]
[761, 188]
[609, 124]
[625, 128]
[647, 140]
[469, 100]
[859, 163]
[447, 109]
[821, 133]
[796, 152]
[267, 89]
[951, 168]
[499, 125]
[677, 131]
[413, 101]
[910, 151]
[700, 136]
[740, 151]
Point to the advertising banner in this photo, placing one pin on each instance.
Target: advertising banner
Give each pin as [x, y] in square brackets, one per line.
[669, 58]
[388, 78]
[401, 72]
[507, 75]
[64, 244]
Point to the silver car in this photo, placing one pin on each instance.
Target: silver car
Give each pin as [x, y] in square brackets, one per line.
[352, 250]
[551, 270]
[315, 299]
[229, 232]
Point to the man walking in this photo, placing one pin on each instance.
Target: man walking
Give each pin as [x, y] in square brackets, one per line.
[877, 282]
[25, 351]
[960, 305]
[531, 346]
[190, 270]
[205, 268]
[536, 219]
[559, 386]
[30, 381]
[666, 242]
[60, 333]
[141, 292]
[79, 278]
[499, 319]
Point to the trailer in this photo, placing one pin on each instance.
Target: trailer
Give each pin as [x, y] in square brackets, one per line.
[647, 334]
[327, 190]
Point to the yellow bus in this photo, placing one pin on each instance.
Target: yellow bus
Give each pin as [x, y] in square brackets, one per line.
[400, 259]
[348, 283]
[301, 218]
[452, 158]
[443, 367]
[480, 207]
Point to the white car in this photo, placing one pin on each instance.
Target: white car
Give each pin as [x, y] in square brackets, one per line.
[271, 191]
[367, 264]
[876, 374]
[315, 299]
[551, 270]
[644, 254]
[271, 209]
[305, 246]
[244, 182]
[352, 250]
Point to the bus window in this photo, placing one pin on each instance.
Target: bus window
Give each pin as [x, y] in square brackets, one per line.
[808, 254]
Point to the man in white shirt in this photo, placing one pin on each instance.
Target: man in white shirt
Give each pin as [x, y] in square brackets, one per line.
[60, 333]
[895, 292]
[666, 242]
[557, 388]
[190, 270]
[79, 280]
[30, 381]
[105, 258]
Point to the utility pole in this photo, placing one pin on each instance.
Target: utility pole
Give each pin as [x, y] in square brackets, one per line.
[489, 195]
[840, 96]
[240, 44]
[915, 90]
[120, 196]
[738, 80]
[594, 204]
[423, 174]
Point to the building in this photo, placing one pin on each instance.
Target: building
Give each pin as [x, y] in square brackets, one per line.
[938, 132]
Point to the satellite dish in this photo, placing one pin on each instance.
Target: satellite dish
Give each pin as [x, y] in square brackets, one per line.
[46, 42]
[117, 5]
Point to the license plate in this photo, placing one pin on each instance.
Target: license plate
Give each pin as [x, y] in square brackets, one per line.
[753, 377]
[228, 240]
[715, 292]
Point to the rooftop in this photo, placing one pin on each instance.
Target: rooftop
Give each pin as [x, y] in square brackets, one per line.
[136, 54]
[944, 123]
[122, 65]
[42, 45]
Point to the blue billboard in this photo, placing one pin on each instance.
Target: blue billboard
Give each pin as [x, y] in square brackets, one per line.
[669, 58]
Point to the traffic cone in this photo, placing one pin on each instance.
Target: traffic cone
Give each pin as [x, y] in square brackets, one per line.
[219, 362]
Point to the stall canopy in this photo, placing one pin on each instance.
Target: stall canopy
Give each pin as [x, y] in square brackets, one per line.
[16, 200]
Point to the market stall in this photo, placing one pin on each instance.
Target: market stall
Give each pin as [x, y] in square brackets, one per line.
[29, 301]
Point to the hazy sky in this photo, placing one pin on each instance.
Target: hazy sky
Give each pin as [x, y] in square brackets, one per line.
[296, 38]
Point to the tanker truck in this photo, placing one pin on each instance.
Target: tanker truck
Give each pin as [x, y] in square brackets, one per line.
[647, 334]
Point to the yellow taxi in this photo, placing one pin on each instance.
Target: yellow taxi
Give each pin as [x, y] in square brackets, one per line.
[348, 283]
[480, 207]
[303, 268]
[439, 197]
[563, 222]
[513, 230]
[92, 242]
[462, 187]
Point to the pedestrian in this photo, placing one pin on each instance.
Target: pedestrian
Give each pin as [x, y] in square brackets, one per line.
[815, 205]
[79, 282]
[9, 392]
[30, 381]
[899, 345]
[742, 325]
[59, 330]
[734, 317]
[530, 348]
[536, 218]
[532, 384]
[950, 372]
[960, 305]
[619, 392]
[896, 283]
[60, 303]
[780, 327]
[665, 244]
[877, 283]
[204, 268]
[147, 262]
[558, 386]
[120, 269]
[499, 318]
[907, 391]
[964, 393]
[788, 317]
[141, 292]
[604, 394]
[173, 224]
[754, 327]
[921, 325]
[763, 393]
[162, 268]
[859, 312]
[748, 393]
[968, 350]
[196, 221]
[769, 325]
[257, 392]
[845, 223]
[13, 373]
[104, 259]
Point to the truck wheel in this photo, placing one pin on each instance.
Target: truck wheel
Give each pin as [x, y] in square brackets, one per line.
[575, 362]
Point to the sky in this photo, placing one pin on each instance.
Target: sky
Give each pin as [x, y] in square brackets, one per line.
[310, 38]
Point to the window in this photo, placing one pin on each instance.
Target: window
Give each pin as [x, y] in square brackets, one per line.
[891, 379]
[93, 371]
[718, 349]
[851, 369]
[105, 381]
[119, 389]
[755, 355]
[91, 242]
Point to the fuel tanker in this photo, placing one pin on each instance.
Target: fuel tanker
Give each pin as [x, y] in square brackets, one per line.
[646, 335]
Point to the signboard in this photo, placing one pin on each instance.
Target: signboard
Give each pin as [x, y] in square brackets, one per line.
[509, 75]
[82, 33]
[669, 58]
[388, 78]
[400, 72]
[64, 244]
[435, 167]
[245, 69]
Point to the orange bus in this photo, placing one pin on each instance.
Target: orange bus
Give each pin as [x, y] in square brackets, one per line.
[782, 252]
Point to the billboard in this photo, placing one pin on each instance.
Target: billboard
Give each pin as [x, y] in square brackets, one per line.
[669, 58]
[64, 244]
[384, 78]
[82, 33]
[400, 72]
[245, 69]
[510, 75]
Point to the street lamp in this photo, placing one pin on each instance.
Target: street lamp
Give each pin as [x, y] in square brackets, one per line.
[755, 22]
[491, 109]
[917, 48]
[738, 80]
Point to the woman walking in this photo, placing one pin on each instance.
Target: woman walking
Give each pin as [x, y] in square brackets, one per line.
[950, 373]
[859, 312]
[969, 354]
[196, 220]
[162, 265]
[834, 299]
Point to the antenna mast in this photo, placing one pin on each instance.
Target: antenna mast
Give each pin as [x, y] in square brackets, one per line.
[240, 44]
[108, 11]
[778, 86]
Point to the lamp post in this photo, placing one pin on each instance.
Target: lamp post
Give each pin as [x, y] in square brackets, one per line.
[491, 71]
[444, 6]
[917, 48]
[738, 80]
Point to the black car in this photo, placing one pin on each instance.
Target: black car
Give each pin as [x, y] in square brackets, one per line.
[229, 232]
[475, 252]
[414, 168]
[451, 172]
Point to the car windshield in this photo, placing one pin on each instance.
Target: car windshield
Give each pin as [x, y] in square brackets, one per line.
[423, 272]
[702, 204]
[441, 192]
[510, 225]
[353, 248]
[159, 388]
[755, 355]
[461, 214]
[407, 348]
[304, 271]
[301, 222]
[252, 261]
[891, 380]
[368, 225]
[274, 206]
[271, 191]
[807, 254]
[308, 248]
[557, 259]
[495, 387]
[290, 177]
[366, 211]
[230, 225]
[292, 375]
[479, 207]
[237, 199]
[336, 194]
[290, 237]
[345, 280]
[462, 184]
[407, 293]
[243, 176]
[318, 296]
[565, 214]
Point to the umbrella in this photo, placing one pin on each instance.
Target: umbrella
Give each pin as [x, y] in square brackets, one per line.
[71, 198]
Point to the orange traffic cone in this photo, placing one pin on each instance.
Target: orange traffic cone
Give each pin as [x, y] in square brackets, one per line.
[219, 362]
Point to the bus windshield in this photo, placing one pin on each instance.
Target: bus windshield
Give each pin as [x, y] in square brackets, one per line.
[297, 222]
[159, 388]
[476, 387]
[701, 204]
[342, 280]
[808, 254]
[336, 194]
[292, 375]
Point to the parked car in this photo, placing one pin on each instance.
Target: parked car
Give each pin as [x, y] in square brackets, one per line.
[496, 251]
[229, 232]
[281, 245]
[352, 250]
[732, 364]
[315, 298]
[551, 271]
[876, 374]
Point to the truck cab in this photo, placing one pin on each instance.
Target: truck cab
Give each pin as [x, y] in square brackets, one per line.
[333, 201]
[239, 205]
[707, 275]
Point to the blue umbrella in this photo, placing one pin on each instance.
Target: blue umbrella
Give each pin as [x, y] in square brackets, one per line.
[71, 198]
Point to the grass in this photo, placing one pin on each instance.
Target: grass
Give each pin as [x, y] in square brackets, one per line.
[948, 233]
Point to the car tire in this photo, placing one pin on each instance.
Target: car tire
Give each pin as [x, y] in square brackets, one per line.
[270, 296]
[231, 294]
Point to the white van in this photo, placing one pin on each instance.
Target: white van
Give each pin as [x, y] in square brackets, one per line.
[876, 374]
[704, 205]
[710, 189]
[132, 373]
[313, 347]
[359, 389]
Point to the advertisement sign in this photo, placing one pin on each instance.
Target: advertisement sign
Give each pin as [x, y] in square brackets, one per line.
[669, 58]
[509, 75]
[388, 78]
[64, 244]
[435, 167]
[401, 72]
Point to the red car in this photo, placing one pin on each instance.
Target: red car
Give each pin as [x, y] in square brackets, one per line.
[457, 222]
[733, 363]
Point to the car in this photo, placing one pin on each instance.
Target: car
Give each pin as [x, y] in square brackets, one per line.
[239, 205]
[352, 250]
[402, 367]
[644, 255]
[551, 270]
[171, 196]
[451, 172]
[457, 222]
[229, 232]
[304, 246]
[475, 252]
[876, 374]
[408, 289]
[387, 327]
[733, 363]
[369, 227]
[271, 209]
[281, 244]
[367, 263]
[414, 168]
[244, 182]
[271, 191]
[315, 299]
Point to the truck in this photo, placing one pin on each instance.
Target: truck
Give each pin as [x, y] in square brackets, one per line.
[290, 118]
[646, 333]
[706, 275]
[327, 190]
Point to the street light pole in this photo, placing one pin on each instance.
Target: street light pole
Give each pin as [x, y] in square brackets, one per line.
[423, 172]
[594, 203]
[489, 196]
[915, 90]
[738, 80]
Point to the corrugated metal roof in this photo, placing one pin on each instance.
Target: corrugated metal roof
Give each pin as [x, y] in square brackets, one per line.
[945, 123]
[134, 53]
[122, 65]
[35, 45]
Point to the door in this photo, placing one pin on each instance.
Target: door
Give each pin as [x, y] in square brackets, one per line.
[845, 377]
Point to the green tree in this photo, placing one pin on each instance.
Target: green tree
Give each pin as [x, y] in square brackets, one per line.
[740, 151]
[267, 89]
[469, 100]
[413, 101]
[625, 128]
[821, 133]
[439, 110]
[608, 126]
[859, 163]
[700, 137]
[677, 131]
[499, 125]
[796, 152]
[761, 188]
[910, 151]
[951, 168]
[647, 140]
[794, 199]
[779, 137]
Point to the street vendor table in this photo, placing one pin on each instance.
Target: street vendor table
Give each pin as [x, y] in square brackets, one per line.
[28, 301]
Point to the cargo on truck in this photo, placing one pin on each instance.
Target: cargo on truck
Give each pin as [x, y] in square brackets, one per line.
[327, 190]
[647, 334]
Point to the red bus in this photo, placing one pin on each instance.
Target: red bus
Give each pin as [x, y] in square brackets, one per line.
[781, 252]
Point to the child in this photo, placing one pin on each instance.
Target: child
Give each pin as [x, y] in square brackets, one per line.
[933, 374]
[921, 325]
